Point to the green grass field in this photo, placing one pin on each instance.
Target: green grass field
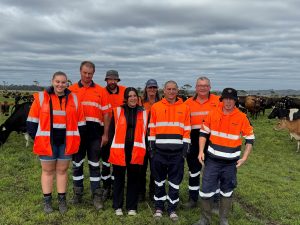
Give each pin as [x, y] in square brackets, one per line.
[268, 189]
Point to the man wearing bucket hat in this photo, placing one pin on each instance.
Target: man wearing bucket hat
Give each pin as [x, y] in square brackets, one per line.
[115, 96]
[225, 125]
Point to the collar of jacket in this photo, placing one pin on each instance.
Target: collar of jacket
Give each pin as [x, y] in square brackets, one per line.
[92, 84]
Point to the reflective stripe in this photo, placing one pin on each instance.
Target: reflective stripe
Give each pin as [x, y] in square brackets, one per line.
[225, 135]
[250, 136]
[199, 113]
[151, 125]
[112, 177]
[59, 113]
[228, 194]
[151, 138]
[175, 186]
[93, 119]
[94, 178]
[72, 133]
[95, 104]
[95, 164]
[160, 184]
[105, 177]
[187, 140]
[42, 133]
[114, 145]
[59, 125]
[194, 174]
[196, 126]
[208, 195]
[78, 177]
[139, 144]
[106, 164]
[187, 127]
[81, 123]
[169, 124]
[172, 201]
[33, 119]
[224, 154]
[79, 163]
[41, 98]
[164, 198]
[168, 141]
[194, 188]
[75, 100]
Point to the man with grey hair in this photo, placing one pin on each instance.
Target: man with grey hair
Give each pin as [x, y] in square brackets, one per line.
[200, 105]
[169, 142]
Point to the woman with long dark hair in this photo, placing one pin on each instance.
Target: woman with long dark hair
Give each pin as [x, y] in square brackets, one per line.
[128, 149]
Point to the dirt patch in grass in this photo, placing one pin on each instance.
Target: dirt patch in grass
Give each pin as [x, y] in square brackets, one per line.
[254, 212]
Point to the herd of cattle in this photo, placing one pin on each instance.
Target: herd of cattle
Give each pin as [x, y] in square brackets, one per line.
[286, 109]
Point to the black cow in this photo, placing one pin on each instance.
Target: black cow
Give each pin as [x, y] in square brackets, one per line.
[15, 122]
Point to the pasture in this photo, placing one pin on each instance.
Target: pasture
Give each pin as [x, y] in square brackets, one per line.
[268, 189]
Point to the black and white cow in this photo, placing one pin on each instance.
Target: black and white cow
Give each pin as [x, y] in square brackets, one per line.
[15, 122]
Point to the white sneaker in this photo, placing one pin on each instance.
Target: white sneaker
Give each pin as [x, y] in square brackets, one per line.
[119, 212]
[132, 212]
[158, 214]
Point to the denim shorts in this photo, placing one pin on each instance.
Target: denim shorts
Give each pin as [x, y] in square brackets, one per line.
[58, 153]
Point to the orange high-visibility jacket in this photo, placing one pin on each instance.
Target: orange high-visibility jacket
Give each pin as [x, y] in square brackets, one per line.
[170, 125]
[68, 115]
[200, 110]
[116, 99]
[117, 150]
[226, 133]
[94, 101]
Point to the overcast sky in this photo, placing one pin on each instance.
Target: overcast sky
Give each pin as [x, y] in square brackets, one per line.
[245, 44]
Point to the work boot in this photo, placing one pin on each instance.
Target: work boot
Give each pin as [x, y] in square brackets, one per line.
[216, 204]
[62, 204]
[225, 207]
[206, 205]
[106, 194]
[190, 204]
[48, 204]
[97, 199]
[78, 193]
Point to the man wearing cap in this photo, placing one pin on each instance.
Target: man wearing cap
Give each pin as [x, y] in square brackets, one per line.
[226, 125]
[115, 96]
[97, 114]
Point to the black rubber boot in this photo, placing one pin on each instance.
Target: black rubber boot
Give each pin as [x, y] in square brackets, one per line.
[62, 204]
[97, 199]
[48, 204]
[206, 207]
[225, 207]
[106, 194]
[78, 193]
[190, 204]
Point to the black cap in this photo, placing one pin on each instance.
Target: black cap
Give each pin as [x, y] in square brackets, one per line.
[229, 93]
[112, 74]
[151, 83]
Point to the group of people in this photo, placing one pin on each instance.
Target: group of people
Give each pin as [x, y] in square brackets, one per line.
[115, 126]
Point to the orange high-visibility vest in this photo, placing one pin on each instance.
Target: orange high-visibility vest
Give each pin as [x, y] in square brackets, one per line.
[170, 125]
[226, 132]
[69, 117]
[200, 110]
[117, 150]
